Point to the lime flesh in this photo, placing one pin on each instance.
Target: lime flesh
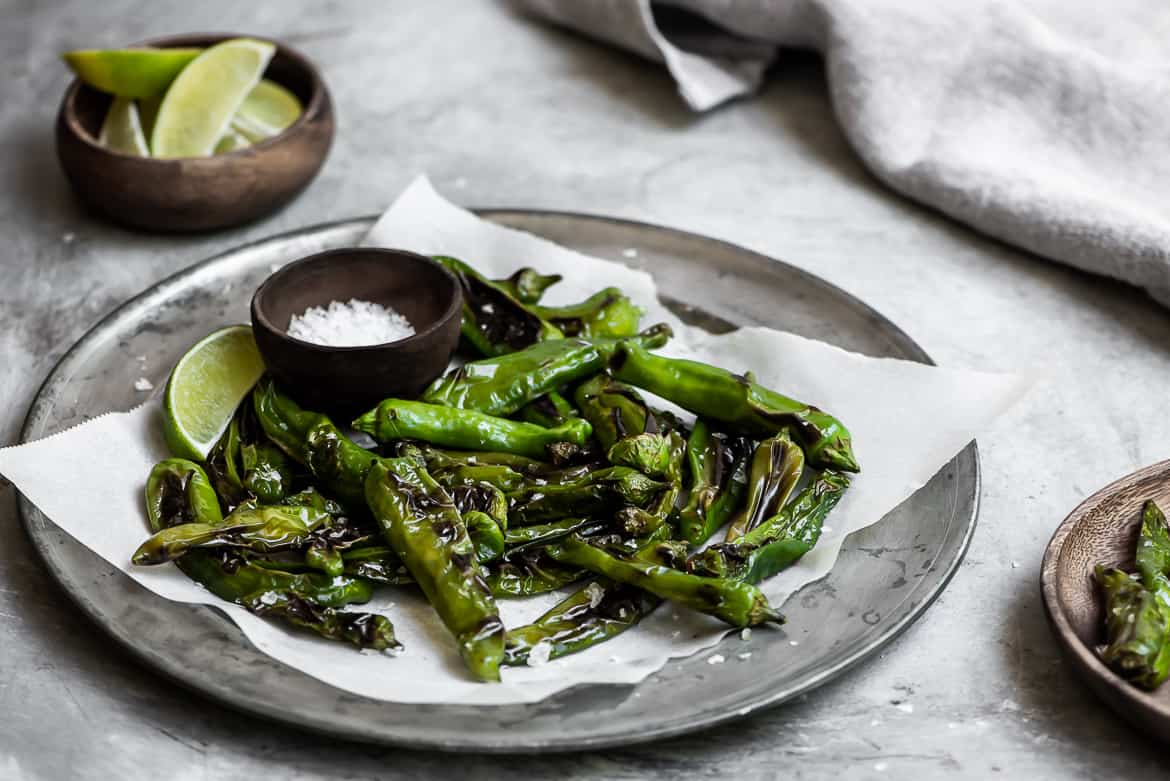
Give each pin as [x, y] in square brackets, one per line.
[129, 73]
[122, 130]
[205, 388]
[267, 111]
[200, 104]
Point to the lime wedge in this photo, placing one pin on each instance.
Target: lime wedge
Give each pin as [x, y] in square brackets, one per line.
[203, 99]
[232, 140]
[121, 130]
[268, 110]
[129, 73]
[206, 386]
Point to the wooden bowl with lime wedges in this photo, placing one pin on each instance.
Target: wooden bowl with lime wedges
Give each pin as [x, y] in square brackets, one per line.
[193, 132]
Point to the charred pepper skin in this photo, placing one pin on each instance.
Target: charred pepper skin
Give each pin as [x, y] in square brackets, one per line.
[1136, 630]
[262, 529]
[179, 491]
[494, 322]
[737, 401]
[311, 439]
[502, 385]
[777, 465]
[395, 419]
[779, 541]
[734, 602]
[422, 526]
[627, 428]
[604, 490]
[718, 470]
[1153, 551]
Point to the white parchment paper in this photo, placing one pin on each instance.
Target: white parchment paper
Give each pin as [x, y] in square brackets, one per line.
[907, 421]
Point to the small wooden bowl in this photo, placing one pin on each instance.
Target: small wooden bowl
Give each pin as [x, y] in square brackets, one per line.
[197, 193]
[1103, 530]
[349, 380]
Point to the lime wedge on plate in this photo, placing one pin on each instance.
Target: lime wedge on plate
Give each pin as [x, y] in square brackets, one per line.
[201, 102]
[129, 73]
[206, 386]
[267, 111]
[121, 129]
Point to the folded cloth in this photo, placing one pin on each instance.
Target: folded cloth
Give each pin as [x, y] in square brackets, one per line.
[1043, 123]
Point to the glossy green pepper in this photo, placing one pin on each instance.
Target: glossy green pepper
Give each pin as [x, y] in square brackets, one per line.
[628, 430]
[267, 473]
[780, 540]
[422, 526]
[734, 602]
[178, 491]
[777, 465]
[504, 384]
[603, 490]
[529, 572]
[718, 475]
[494, 322]
[527, 537]
[395, 419]
[263, 529]
[607, 314]
[527, 285]
[717, 394]
[550, 410]
[1136, 629]
[311, 439]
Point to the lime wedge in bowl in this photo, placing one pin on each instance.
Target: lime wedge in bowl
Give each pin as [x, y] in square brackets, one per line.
[266, 112]
[129, 73]
[206, 386]
[122, 131]
[200, 104]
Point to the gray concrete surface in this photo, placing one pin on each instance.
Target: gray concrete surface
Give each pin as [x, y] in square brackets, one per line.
[502, 112]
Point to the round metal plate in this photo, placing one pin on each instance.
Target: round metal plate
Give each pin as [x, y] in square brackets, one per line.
[885, 578]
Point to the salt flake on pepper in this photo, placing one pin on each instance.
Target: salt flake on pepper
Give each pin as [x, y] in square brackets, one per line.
[540, 654]
[596, 593]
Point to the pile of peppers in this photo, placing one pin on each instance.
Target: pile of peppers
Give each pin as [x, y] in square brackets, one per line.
[536, 466]
[1137, 607]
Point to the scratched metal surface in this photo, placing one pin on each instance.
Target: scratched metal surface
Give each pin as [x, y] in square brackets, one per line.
[885, 577]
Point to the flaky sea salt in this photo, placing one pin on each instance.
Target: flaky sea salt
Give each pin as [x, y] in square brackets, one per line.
[351, 324]
[715, 659]
[142, 385]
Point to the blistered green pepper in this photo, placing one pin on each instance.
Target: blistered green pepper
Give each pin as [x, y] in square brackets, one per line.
[718, 475]
[178, 491]
[422, 526]
[779, 541]
[1136, 629]
[550, 410]
[395, 419]
[502, 385]
[267, 473]
[627, 429]
[494, 322]
[527, 285]
[717, 394]
[311, 439]
[777, 465]
[527, 537]
[734, 602]
[262, 529]
[597, 492]
[607, 314]
[529, 572]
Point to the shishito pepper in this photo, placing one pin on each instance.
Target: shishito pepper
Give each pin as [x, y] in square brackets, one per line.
[262, 529]
[737, 401]
[502, 385]
[603, 490]
[1136, 628]
[310, 438]
[777, 464]
[494, 322]
[179, 492]
[718, 474]
[527, 285]
[607, 314]
[779, 541]
[628, 429]
[734, 602]
[422, 526]
[466, 429]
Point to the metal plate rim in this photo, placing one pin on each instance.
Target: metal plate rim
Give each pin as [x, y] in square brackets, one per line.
[695, 723]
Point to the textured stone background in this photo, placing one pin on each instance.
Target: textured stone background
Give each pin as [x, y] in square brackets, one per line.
[500, 112]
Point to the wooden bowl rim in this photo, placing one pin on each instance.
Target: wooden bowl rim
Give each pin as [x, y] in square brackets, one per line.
[452, 311]
[315, 105]
[1084, 658]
